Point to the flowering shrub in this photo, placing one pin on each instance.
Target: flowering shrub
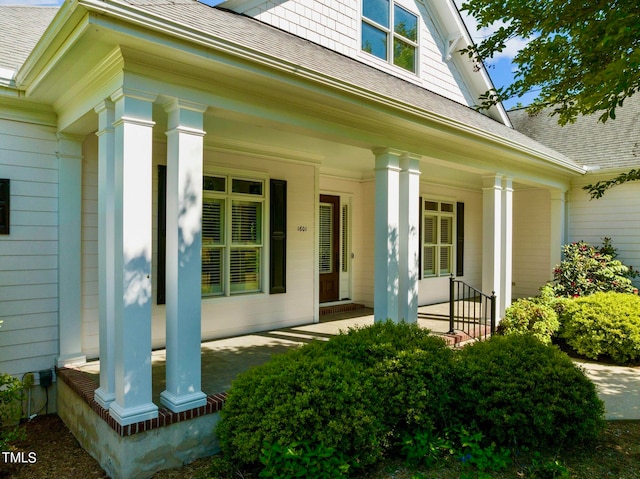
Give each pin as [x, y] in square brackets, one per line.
[586, 270]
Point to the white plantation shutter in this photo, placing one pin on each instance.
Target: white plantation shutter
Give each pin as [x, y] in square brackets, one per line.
[437, 238]
[429, 261]
[246, 222]
[446, 230]
[345, 239]
[326, 227]
[244, 269]
[430, 232]
[212, 242]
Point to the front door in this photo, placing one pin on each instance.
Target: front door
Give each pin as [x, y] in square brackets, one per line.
[329, 248]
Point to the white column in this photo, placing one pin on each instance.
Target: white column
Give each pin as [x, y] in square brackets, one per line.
[105, 394]
[69, 249]
[557, 218]
[132, 251]
[184, 259]
[507, 246]
[409, 242]
[387, 237]
[492, 235]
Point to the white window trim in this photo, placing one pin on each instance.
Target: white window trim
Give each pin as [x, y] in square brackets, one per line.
[230, 173]
[391, 34]
[454, 234]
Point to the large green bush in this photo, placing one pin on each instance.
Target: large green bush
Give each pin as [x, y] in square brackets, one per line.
[353, 399]
[521, 392]
[586, 270]
[343, 394]
[604, 324]
[530, 316]
[301, 396]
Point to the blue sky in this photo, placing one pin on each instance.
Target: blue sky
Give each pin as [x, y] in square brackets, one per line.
[500, 68]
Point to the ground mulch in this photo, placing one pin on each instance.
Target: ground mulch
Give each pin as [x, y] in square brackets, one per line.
[59, 456]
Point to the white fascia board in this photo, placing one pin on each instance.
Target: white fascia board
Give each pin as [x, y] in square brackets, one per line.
[49, 42]
[135, 16]
[456, 31]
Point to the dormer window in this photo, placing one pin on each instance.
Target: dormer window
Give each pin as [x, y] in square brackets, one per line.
[390, 33]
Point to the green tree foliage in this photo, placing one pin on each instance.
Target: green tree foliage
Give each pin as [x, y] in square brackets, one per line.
[583, 55]
[598, 189]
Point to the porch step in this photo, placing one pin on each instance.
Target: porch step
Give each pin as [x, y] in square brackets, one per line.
[340, 308]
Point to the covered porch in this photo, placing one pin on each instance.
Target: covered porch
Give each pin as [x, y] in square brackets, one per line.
[172, 439]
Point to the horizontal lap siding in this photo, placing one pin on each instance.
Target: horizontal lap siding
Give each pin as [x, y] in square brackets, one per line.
[335, 24]
[616, 215]
[29, 255]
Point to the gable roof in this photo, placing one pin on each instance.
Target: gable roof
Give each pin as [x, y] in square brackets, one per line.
[614, 144]
[319, 63]
[235, 34]
[21, 27]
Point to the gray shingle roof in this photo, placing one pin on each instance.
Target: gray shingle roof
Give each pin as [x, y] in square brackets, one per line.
[26, 24]
[274, 43]
[20, 28]
[614, 144]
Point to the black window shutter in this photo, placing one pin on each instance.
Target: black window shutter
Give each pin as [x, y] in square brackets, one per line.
[278, 237]
[162, 234]
[460, 239]
[5, 199]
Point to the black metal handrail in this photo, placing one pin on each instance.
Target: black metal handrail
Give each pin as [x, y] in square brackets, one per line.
[470, 310]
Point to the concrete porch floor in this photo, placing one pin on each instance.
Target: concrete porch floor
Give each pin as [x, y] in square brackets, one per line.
[224, 359]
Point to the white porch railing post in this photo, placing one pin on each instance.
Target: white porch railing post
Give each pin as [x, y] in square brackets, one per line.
[184, 260]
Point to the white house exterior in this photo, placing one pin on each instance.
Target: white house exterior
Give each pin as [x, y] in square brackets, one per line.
[606, 150]
[179, 172]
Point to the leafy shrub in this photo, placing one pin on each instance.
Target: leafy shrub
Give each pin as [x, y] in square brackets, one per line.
[530, 316]
[10, 394]
[522, 392]
[604, 324]
[358, 393]
[303, 460]
[301, 396]
[587, 270]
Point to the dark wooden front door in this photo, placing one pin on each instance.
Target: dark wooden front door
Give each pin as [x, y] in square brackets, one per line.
[329, 248]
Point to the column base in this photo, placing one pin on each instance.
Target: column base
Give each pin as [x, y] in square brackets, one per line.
[104, 399]
[183, 403]
[131, 415]
[71, 360]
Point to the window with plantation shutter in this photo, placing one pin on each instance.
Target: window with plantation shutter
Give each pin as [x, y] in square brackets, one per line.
[232, 224]
[438, 220]
[345, 239]
[326, 228]
[213, 242]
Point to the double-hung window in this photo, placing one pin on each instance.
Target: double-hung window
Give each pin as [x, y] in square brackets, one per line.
[232, 235]
[390, 33]
[438, 219]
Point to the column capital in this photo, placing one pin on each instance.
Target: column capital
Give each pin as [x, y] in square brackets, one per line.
[124, 92]
[69, 146]
[492, 182]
